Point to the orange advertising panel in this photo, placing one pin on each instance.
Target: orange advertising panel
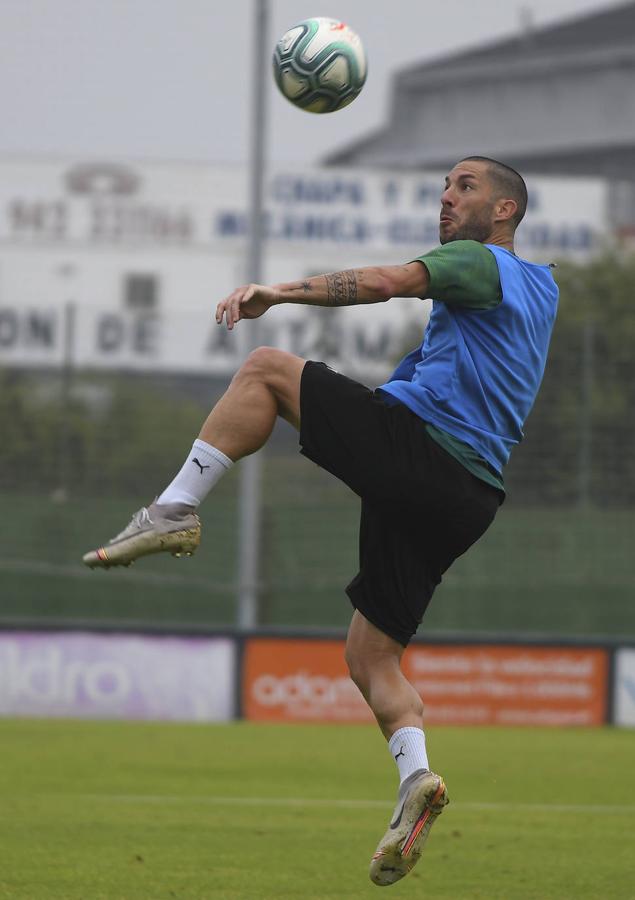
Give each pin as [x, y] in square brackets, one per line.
[299, 680]
[506, 685]
[287, 680]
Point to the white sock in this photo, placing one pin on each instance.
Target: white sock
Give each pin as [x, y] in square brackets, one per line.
[200, 472]
[408, 748]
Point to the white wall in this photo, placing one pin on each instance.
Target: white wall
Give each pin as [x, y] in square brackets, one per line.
[71, 232]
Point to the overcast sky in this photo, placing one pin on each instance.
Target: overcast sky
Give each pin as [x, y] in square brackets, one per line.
[171, 79]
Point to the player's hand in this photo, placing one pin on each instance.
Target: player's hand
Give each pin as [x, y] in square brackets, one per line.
[246, 302]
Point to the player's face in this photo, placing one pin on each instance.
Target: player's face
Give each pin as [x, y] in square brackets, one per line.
[467, 207]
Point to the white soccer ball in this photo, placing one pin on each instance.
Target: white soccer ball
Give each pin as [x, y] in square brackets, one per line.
[320, 65]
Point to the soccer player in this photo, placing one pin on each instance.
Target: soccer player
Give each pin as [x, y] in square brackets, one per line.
[425, 451]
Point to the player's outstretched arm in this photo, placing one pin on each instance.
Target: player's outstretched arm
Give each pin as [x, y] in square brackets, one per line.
[247, 302]
[372, 284]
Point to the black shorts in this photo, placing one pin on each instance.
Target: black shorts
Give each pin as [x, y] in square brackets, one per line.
[421, 508]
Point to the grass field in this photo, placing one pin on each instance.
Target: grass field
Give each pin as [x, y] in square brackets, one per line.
[114, 811]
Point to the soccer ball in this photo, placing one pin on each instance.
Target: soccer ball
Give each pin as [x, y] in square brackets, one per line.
[320, 65]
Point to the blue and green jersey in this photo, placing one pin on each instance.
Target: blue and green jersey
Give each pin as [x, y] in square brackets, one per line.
[476, 374]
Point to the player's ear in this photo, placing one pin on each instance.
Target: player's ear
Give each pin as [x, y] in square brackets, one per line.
[505, 210]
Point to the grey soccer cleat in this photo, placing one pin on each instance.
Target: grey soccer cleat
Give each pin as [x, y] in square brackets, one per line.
[172, 527]
[421, 799]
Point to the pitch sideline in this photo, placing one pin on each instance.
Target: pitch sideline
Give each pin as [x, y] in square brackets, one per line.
[351, 803]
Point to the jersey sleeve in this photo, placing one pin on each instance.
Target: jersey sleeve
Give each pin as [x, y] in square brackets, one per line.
[463, 273]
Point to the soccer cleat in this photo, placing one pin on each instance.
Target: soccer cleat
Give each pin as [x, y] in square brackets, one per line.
[173, 528]
[421, 799]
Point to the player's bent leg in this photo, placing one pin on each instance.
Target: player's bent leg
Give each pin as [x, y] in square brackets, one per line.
[374, 663]
[267, 385]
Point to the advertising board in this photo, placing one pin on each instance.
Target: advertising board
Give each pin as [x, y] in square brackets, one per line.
[142, 252]
[307, 680]
[510, 685]
[86, 206]
[116, 676]
[295, 680]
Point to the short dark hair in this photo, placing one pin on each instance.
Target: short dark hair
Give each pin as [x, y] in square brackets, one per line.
[508, 181]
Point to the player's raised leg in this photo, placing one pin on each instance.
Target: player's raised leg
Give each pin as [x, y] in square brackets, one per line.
[374, 661]
[267, 385]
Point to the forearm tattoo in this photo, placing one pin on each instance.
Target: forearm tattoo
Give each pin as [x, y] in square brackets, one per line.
[305, 286]
[342, 288]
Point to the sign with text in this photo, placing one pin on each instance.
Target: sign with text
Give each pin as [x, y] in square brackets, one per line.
[120, 265]
[116, 676]
[510, 685]
[171, 340]
[188, 207]
[305, 680]
[299, 680]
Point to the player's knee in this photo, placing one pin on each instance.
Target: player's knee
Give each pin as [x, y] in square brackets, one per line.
[257, 367]
[260, 361]
[264, 364]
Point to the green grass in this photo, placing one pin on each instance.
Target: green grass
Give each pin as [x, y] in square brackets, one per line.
[114, 811]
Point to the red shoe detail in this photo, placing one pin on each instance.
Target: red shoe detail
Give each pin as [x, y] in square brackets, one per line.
[421, 821]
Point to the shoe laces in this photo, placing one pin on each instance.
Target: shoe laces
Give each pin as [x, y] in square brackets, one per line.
[139, 519]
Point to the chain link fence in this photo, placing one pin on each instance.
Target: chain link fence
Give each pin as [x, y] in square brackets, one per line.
[82, 450]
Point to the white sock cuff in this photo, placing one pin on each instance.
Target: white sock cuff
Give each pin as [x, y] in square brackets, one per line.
[192, 483]
[405, 734]
[204, 447]
[408, 749]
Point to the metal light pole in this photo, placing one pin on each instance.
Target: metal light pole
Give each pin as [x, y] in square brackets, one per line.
[585, 443]
[61, 493]
[249, 514]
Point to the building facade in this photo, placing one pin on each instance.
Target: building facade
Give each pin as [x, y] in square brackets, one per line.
[557, 100]
[120, 265]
